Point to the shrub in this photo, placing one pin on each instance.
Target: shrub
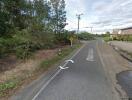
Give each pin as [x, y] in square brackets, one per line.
[86, 36]
[24, 45]
[130, 38]
[6, 46]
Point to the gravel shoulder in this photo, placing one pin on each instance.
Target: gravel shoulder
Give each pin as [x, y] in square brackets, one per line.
[113, 64]
[127, 46]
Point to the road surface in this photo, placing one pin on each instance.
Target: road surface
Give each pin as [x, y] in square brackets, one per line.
[83, 80]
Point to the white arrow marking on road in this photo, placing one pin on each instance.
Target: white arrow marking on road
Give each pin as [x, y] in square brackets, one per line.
[70, 61]
[63, 67]
[67, 61]
[90, 56]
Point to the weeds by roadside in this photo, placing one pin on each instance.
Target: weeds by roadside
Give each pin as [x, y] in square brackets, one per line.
[4, 87]
[64, 52]
[16, 82]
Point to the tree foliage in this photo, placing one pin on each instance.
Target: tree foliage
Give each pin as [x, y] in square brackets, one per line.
[85, 36]
[31, 24]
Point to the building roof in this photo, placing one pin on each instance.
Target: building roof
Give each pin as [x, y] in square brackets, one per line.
[126, 28]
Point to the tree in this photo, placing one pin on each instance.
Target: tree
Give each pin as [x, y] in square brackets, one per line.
[15, 8]
[58, 15]
[86, 36]
[107, 33]
[4, 19]
[62, 16]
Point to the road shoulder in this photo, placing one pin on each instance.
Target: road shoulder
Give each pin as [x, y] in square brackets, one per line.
[113, 64]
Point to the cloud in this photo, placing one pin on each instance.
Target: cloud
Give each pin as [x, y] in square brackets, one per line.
[114, 12]
[100, 13]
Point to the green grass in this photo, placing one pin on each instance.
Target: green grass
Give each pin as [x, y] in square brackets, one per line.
[65, 52]
[106, 39]
[6, 86]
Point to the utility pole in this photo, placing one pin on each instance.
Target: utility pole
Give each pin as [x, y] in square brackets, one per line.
[78, 17]
[91, 29]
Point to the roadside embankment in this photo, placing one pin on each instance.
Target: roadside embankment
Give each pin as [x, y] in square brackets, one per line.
[25, 72]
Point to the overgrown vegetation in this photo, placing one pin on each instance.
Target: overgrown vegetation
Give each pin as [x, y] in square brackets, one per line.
[117, 37]
[29, 25]
[106, 36]
[64, 52]
[124, 38]
[17, 81]
[86, 36]
[4, 87]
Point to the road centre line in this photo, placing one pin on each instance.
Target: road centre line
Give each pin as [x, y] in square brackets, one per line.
[90, 56]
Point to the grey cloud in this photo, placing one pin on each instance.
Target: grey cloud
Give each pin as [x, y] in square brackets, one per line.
[103, 13]
[113, 14]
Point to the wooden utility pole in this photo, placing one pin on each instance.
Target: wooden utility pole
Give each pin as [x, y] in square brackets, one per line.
[78, 17]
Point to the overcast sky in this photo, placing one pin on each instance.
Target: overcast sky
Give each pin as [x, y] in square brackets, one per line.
[103, 15]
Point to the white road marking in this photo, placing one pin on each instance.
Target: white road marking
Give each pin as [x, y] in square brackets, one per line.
[70, 61]
[66, 63]
[90, 56]
[47, 83]
[63, 67]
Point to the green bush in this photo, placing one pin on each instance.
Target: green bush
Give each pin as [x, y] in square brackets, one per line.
[8, 85]
[24, 45]
[63, 38]
[107, 39]
[130, 38]
[6, 46]
[23, 51]
[86, 36]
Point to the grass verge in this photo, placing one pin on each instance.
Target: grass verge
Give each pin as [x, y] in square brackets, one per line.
[5, 87]
[64, 52]
[10, 86]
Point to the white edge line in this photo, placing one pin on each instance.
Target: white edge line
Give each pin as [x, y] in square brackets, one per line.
[47, 83]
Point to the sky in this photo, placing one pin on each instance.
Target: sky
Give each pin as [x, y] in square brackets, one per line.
[102, 15]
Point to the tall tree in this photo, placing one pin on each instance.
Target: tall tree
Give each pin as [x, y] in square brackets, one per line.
[62, 16]
[41, 14]
[4, 19]
[58, 15]
[15, 9]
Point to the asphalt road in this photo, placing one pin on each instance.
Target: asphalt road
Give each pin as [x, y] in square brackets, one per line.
[125, 80]
[83, 80]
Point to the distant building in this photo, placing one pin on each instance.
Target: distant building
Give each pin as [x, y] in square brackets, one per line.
[120, 32]
[114, 34]
[126, 31]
